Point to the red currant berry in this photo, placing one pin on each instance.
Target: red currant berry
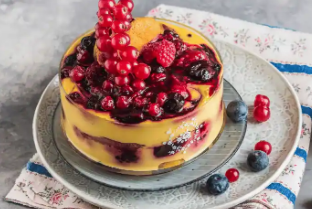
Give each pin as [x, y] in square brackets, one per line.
[122, 102]
[109, 4]
[129, 53]
[261, 113]
[77, 74]
[161, 98]
[122, 81]
[120, 26]
[138, 85]
[110, 65]
[106, 21]
[107, 85]
[142, 71]
[262, 100]
[102, 31]
[128, 3]
[96, 26]
[123, 67]
[140, 102]
[232, 175]
[134, 63]
[104, 43]
[116, 54]
[154, 110]
[129, 17]
[103, 11]
[107, 103]
[120, 41]
[264, 146]
[120, 12]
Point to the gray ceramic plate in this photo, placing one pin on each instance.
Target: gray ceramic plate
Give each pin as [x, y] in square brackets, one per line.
[250, 75]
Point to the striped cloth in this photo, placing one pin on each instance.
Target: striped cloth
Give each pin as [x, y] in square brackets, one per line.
[288, 50]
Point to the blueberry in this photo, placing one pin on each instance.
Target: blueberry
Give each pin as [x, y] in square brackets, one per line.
[70, 60]
[257, 160]
[237, 111]
[217, 184]
[174, 103]
[87, 43]
[200, 71]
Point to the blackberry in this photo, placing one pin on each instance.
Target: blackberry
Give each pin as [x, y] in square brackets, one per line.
[70, 60]
[174, 103]
[87, 43]
[200, 71]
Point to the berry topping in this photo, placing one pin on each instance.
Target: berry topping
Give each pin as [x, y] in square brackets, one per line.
[200, 71]
[147, 53]
[107, 85]
[122, 81]
[123, 67]
[95, 74]
[87, 43]
[120, 12]
[170, 35]
[106, 20]
[180, 89]
[257, 160]
[130, 53]
[126, 90]
[122, 102]
[142, 71]
[165, 53]
[192, 55]
[120, 26]
[180, 47]
[66, 71]
[161, 98]
[104, 44]
[93, 103]
[158, 69]
[83, 56]
[128, 3]
[107, 103]
[154, 110]
[158, 77]
[261, 113]
[120, 41]
[70, 60]
[217, 184]
[138, 85]
[109, 4]
[237, 111]
[103, 11]
[140, 102]
[232, 175]
[76, 97]
[77, 74]
[262, 100]
[264, 146]
[110, 65]
[174, 103]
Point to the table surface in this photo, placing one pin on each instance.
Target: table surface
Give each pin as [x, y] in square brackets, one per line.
[35, 33]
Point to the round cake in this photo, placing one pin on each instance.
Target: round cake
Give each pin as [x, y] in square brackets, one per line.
[146, 115]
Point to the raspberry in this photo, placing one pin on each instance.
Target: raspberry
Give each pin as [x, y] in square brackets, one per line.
[147, 53]
[165, 52]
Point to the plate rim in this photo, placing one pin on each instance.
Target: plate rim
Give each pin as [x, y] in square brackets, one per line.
[229, 204]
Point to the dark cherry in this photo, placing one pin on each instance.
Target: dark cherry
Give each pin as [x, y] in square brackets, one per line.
[200, 71]
[65, 71]
[70, 60]
[84, 57]
[174, 103]
[126, 90]
[76, 97]
[123, 102]
[87, 43]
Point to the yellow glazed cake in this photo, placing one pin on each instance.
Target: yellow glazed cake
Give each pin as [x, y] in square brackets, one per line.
[142, 129]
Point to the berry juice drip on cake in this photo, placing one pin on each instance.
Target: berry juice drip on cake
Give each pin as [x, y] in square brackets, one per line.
[120, 72]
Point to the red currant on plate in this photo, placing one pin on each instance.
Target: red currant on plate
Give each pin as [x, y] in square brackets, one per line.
[106, 20]
[261, 113]
[120, 41]
[142, 71]
[122, 81]
[264, 146]
[138, 85]
[77, 74]
[120, 12]
[120, 26]
[107, 103]
[106, 4]
[154, 110]
[123, 67]
[262, 100]
[110, 65]
[232, 175]
[122, 102]
[129, 53]
[128, 3]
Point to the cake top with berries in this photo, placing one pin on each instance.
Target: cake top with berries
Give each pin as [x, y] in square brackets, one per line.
[139, 70]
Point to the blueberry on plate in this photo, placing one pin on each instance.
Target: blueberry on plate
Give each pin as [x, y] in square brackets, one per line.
[237, 111]
[217, 184]
[257, 160]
